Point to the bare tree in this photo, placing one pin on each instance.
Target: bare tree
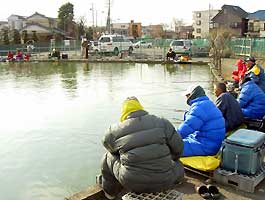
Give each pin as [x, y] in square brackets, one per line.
[178, 22]
[217, 39]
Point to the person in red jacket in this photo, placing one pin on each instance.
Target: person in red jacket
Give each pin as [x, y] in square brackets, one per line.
[26, 57]
[239, 74]
[19, 55]
[10, 56]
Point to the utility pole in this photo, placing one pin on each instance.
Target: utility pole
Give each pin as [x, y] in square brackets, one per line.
[93, 21]
[108, 25]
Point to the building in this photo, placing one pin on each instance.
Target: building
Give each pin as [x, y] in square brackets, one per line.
[201, 22]
[44, 27]
[169, 34]
[184, 32]
[153, 31]
[135, 29]
[120, 28]
[232, 19]
[15, 22]
[3, 25]
[38, 18]
[256, 24]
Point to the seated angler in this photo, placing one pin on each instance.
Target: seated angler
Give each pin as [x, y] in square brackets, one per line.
[203, 129]
[251, 100]
[10, 56]
[239, 74]
[255, 72]
[143, 153]
[19, 55]
[229, 106]
[171, 55]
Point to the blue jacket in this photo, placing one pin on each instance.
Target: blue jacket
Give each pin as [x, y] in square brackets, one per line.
[252, 100]
[256, 73]
[203, 129]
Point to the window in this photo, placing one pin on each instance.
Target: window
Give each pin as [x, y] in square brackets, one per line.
[264, 26]
[250, 26]
[235, 25]
[199, 22]
[118, 39]
[198, 30]
[198, 15]
[178, 43]
[105, 39]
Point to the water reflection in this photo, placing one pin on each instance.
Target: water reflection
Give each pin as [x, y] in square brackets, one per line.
[54, 115]
[69, 79]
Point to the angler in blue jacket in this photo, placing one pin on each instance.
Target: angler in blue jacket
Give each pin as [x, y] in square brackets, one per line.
[255, 72]
[203, 129]
[251, 100]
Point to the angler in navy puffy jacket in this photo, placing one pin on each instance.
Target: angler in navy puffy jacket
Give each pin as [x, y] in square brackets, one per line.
[203, 129]
[252, 100]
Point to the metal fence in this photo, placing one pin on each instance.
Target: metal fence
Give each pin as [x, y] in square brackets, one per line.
[200, 48]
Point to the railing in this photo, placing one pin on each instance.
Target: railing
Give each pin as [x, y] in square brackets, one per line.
[158, 50]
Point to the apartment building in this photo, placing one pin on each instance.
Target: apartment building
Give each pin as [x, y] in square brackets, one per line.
[201, 22]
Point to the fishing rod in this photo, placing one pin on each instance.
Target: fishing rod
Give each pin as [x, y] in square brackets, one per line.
[195, 81]
[166, 109]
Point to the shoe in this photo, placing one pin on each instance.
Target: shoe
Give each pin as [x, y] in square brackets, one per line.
[214, 192]
[108, 196]
[202, 190]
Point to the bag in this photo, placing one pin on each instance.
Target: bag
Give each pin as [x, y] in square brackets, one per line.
[243, 152]
[255, 124]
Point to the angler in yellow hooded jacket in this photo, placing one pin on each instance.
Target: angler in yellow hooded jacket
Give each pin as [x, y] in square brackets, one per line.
[255, 72]
[143, 152]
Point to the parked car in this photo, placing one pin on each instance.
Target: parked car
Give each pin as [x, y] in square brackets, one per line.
[93, 46]
[181, 46]
[142, 44]
[114, 44]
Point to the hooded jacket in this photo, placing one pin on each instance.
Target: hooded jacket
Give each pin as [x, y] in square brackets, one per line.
[143, 149]
[256, 73]
[252, 100]
[240, 72]
[203, 129]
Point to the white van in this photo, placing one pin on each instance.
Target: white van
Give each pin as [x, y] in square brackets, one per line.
[114, 44]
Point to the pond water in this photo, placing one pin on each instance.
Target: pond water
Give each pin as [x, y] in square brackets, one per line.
[53, 116]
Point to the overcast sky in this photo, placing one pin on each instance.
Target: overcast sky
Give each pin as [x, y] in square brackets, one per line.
[145, 11]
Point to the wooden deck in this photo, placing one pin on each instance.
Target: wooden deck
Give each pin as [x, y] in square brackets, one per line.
[187, 188]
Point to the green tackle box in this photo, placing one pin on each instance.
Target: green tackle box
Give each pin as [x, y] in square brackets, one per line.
[243, 152]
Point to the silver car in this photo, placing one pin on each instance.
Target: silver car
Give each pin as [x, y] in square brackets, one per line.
[181, 46]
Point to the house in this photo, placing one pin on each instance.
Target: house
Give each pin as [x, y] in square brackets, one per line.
[38, 18]
[232, 19]
[44, 28]
[43, 33]
[3, 25]
[256, 24]
[15, 22]
[184, 32]
[201, 22]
